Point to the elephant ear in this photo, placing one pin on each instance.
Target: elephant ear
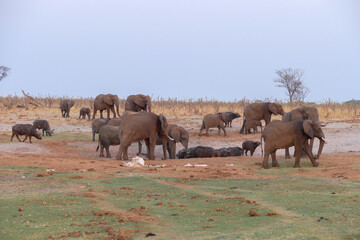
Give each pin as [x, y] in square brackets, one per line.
[304, 113]
[308, 129]
[175, 133]
[273, 108]
[140, 100]
[163, 122]
[108, 99]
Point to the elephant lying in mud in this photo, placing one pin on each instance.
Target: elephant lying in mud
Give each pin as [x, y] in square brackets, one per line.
[279, 134]
[212, 121]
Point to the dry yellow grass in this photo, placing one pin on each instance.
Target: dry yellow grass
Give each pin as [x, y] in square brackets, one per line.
[190, 107]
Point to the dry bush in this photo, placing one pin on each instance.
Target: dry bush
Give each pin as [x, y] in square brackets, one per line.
[190, 107]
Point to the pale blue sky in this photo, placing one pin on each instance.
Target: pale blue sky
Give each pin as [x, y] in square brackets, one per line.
[186, 49]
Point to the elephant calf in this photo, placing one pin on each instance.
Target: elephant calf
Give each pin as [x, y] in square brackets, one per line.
[114, 122]
[96, 125]
[250, 146]
[25, 129]
[252, 124]
[197, 152]
[108, 136]
[44, 125]
[228, 117]
[178, 134]
[229, 152]
[85, 112]
[212, 121]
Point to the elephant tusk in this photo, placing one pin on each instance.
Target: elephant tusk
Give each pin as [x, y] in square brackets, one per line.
[324, 140]
[170, 138]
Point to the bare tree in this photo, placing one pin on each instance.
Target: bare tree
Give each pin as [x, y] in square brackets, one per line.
[4, 72]
[292, 81]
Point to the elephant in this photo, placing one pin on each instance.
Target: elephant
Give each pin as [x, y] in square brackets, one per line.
[179, 134]
[142, 126]
[250, 146]
[228, 152]
[106, 102]
[44, 125]
[108, 136]
[127, 113]
[197, 152]
[304, 113]
[65, 105]
[280, 134]
[96, 125]
[212, 121]
[25, 129]
[252, 124]
[228, 117]
[260, 111]
[137, 103]
[114, 122]
[85, 112]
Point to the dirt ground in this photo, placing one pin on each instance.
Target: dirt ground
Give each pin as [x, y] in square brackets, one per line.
[340, 159]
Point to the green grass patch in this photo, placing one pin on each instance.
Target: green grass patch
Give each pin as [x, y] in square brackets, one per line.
[172, 208]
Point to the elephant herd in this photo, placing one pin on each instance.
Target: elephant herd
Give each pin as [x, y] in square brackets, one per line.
[138, 124]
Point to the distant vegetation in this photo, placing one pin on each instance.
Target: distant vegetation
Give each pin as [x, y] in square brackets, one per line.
[193, 107]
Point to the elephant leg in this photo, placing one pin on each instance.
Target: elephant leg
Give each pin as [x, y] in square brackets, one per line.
[139, 148]
[223, 128]
[101, 114]
[108, 155]
[152, 143]
[298, 151]
[172, 149]
[252, 152]
[287, 154]
[274, 161]
[113, 111]
[246, 152]
[29, 139]
[95, 110]
[207, 132]
[12, 136]
[88, 116]
[147, 144]
[308, 151]
[164, 145]
[219, 131]
[108, 112]
[93, 133]
[101, 151]
[265, 163]
[246, 130]
[119, 155]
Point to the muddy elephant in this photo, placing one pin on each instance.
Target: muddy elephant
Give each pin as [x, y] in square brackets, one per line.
[260, 111]
[65, 105]
[84, 111]
[138, 103]
[304, 113]
[212, 121]
[179, 134]
[142, 126]
[106, 102]
[108, 136]
[228, 117]
[96, 125]
[280, 134]
[252, 124]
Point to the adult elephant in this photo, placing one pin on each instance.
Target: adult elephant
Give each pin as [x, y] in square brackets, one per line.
[304, 113]
[179, 134]
[260, 111]
[106, 102]
[137, 103]
[142, 126]
[279, 134]
[65, 105]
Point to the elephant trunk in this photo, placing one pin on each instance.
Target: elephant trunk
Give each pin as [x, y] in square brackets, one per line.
[185, 143]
